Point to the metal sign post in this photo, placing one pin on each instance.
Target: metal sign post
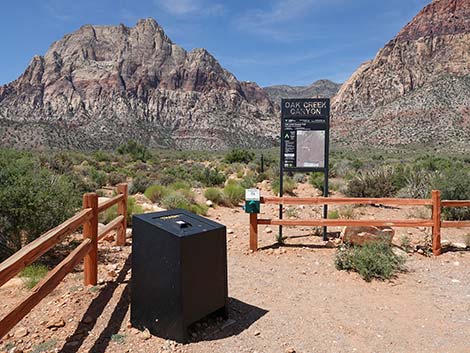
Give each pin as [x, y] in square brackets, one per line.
[305, 138]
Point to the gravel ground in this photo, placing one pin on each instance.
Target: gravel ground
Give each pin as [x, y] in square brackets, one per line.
[287, 299]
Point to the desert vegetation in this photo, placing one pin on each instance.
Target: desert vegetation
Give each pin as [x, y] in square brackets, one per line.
[38, 190]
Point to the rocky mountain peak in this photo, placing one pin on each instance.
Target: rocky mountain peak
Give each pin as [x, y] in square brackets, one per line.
[415, 90]
[113, 83]
[441, 17]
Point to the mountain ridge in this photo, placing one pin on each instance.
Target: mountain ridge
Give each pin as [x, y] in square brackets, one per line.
[431, 51]
[320, 88]
[108, 84]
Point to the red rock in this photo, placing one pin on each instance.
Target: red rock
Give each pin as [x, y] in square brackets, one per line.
[362, 235]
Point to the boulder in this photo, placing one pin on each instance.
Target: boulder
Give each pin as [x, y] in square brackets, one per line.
[366, 234]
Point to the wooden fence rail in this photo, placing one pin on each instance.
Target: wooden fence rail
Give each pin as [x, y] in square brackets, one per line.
[87, 250]
[435, 222]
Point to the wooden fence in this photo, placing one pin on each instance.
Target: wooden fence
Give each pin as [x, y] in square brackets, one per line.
[435, 222]
[88, 250]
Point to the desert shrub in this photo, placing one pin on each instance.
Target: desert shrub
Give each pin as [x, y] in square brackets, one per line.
[417, 184]
[136, 150]
[181, 199]
[454, 185]
[60, 162]
[239, 156]
[345, 212]
[253, 167]
[378, 182]
[333, 214]
[234, 192]
[175, 200]
[115, 178]
[101, 156]
[215, 195]
[292, 212]
[46, 346]
[248, 182]
[139, 184]
[32, 200]
[405, 243]
[372, 260]
[288, 186]
[32, 274]
[262, 177]
[299, 178]
[98, 177]
[317, 179]
[199, 209]
[132, 209]
[156, 192]
[210, 177]
[180, 185]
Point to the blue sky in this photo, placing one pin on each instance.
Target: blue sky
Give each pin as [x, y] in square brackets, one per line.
[271, 42]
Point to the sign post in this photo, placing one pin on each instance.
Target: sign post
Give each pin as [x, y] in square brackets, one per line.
[305, 137]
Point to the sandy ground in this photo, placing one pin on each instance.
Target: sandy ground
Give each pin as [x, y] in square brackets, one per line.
[287, 299]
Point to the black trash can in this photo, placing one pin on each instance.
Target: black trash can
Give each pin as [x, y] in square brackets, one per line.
[179, 272]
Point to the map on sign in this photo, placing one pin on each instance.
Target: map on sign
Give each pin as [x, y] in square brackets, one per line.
[304, 134]
[310, 149]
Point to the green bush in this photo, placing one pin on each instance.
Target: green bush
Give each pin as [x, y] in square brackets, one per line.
[317, 179]
[288, 186]
[175, 200]
[372, 260]
[136, 150]
[98, 177]
[132, 209]
[180, 199]
[32, 274]
[239, 156]
[215, 195]
[33, 200]
[417, 185]
[248, 182]
[156, 192]
[115, 178]
[333, 214]
[234, 192]
[378, 182]
[210, 177]
[454, 185]
[139, 184]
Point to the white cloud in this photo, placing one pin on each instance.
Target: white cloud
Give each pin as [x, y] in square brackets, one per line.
[190, 7]
[275, 21]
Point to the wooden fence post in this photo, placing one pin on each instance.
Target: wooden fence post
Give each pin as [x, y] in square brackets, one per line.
[436, 219]
[90, 231]
[122, 210]
[253, 231]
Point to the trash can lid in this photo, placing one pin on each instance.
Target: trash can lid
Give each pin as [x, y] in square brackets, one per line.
[179, 222]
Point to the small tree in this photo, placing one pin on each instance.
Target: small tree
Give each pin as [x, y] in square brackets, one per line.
[239, 156]
[135, 149]
[32, 200]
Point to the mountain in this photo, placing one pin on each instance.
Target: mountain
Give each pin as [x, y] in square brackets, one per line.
[320, 88]
[103, 85]
[416, 91]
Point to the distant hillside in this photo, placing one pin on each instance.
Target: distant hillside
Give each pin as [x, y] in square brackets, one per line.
[320, 88]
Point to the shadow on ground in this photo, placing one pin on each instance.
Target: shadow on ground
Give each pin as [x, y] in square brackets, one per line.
[241, 316]
[96, 308]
